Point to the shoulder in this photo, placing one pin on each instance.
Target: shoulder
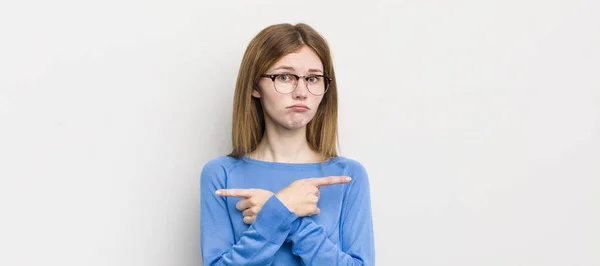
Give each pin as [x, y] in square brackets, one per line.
[352, 166]
[359, 186]
[218, 167]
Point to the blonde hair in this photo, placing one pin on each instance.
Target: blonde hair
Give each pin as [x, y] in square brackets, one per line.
[266, 48]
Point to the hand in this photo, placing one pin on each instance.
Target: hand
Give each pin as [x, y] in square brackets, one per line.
[253, 200]
[301, 196]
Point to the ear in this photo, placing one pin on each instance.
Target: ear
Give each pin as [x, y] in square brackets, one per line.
[255, 93]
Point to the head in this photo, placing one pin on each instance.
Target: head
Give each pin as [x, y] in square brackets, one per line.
[265, 96]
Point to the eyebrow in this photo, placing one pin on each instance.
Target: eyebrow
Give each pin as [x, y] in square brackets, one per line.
[312, 70]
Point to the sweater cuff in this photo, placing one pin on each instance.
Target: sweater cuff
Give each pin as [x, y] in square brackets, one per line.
[298, 225]
[274, 220]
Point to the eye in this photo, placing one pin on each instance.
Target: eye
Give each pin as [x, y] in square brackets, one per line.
[314, 79]
[285, 78]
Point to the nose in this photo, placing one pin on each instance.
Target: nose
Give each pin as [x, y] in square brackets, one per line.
[301, 91]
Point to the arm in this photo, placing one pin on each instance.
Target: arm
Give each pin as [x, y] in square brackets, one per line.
[310, 242]
[259, 242]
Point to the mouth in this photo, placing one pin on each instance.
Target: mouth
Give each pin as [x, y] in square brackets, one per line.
[299, 107]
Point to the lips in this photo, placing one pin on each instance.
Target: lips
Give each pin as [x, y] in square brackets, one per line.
[299, 107]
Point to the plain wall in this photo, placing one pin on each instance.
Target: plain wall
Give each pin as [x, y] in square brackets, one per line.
[478, 122]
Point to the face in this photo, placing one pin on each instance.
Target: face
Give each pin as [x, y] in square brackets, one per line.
[292, 110]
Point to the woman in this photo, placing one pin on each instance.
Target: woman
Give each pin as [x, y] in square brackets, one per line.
[284, 196]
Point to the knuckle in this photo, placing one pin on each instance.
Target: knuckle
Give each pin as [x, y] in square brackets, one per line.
[252, 201]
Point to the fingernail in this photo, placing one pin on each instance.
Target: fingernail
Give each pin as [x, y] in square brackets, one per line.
[218, 193]
[348, 178]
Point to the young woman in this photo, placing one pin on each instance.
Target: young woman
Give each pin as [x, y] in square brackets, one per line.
[284, 196]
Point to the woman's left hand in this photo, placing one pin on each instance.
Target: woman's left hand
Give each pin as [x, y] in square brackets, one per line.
[252, 202]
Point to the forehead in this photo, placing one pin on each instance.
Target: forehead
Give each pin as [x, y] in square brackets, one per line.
[301, 60]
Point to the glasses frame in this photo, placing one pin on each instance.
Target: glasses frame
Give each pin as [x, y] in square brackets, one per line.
[328, 81]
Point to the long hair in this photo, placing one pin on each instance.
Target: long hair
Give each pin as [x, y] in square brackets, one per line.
[266, 48]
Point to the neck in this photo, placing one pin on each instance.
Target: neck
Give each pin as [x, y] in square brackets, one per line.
[284, 145]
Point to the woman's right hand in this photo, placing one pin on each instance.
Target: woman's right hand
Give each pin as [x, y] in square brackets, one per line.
[301, 196]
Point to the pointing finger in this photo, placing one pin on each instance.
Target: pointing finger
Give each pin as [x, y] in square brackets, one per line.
[234, 192]
[329, 180]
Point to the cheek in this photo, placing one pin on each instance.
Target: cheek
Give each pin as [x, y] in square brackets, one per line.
[272, 104]
[316, 102]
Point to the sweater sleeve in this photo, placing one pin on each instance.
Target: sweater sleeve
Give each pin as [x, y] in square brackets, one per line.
[309, 239]
[259, 242]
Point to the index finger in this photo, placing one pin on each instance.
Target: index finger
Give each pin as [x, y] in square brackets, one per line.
[234, 192]
[329, 180]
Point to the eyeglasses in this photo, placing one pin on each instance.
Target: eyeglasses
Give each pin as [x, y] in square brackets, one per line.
[287, 83]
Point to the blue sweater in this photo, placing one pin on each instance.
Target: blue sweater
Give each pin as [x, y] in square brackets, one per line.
[342, 234]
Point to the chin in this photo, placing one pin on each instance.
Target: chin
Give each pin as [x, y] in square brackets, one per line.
[297, 122]
[292, 121]
[295, 126]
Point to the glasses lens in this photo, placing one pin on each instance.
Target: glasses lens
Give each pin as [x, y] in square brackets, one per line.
[285, 83]
[317, 85]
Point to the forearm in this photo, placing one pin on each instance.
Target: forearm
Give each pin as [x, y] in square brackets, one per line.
[310, 242]
[258, 243]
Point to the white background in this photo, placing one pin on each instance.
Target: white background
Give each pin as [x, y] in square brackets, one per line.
[478, 122]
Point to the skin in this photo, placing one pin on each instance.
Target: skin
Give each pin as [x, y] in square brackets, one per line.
[276, 105]
[300, 197]
[284, 139]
